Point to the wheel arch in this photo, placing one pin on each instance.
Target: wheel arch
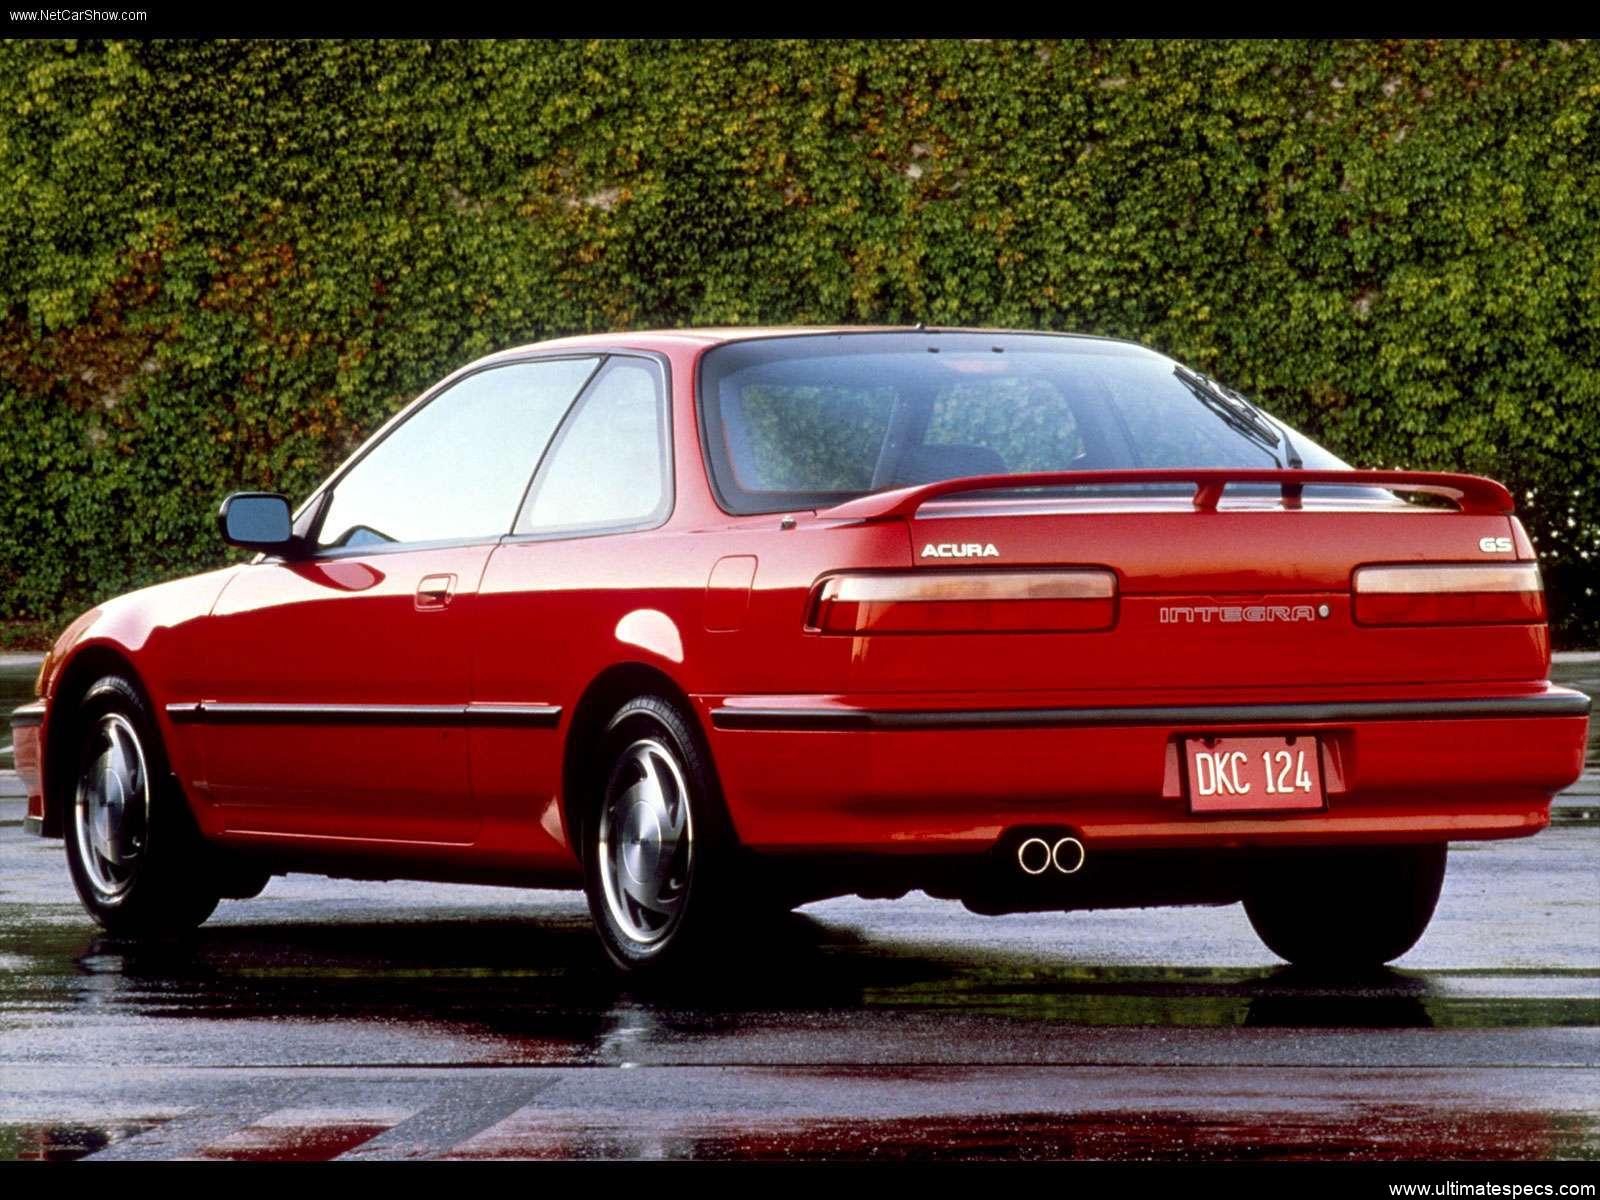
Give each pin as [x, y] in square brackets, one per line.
[75, 677]
[606, 693]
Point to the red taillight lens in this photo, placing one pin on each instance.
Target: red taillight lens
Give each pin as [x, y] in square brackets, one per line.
[1469, 594]
[965, 602]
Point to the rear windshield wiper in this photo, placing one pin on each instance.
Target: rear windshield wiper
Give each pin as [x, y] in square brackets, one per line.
[1290, 454]
[1239, 414]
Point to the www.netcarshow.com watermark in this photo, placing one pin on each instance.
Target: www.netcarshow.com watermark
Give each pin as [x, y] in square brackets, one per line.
[85, 16]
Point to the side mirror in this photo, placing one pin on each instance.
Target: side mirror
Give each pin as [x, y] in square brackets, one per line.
[257, 521]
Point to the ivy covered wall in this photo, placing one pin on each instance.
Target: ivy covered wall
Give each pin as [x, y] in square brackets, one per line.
[222, 262]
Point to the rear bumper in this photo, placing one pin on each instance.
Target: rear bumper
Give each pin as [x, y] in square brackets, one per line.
[912, 775]
[27, 731]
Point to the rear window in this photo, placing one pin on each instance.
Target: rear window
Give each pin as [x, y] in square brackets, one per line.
[809, 421]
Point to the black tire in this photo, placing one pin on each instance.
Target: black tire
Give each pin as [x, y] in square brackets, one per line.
[1345, 909]
[134, 852]
[236, 880]
[687, 878]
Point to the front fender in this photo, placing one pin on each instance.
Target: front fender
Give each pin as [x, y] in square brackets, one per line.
[147, 634]
[146, 627]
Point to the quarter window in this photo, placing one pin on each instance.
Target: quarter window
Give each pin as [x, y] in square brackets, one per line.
[608, 467]
[457, 467]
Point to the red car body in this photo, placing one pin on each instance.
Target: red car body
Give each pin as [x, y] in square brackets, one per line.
[332, 713]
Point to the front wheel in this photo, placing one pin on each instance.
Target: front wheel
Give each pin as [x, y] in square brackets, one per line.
[134, 853]
[657, 849]
[1345, 909]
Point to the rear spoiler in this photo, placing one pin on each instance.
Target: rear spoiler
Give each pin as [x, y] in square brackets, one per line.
[1470, 493]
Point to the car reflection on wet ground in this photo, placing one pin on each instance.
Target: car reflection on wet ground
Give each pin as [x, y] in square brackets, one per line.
[390, 1021]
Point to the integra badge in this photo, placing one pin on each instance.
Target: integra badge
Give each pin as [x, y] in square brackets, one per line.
[1205, 614]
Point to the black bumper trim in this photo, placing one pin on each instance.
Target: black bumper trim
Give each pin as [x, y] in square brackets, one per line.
[33, 826]
[1560, 704]
[521, 715]
[28, 714]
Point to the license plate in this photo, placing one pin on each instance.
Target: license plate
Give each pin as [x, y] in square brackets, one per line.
[1253, 774]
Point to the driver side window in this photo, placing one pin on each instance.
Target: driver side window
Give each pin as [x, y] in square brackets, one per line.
[457, 467]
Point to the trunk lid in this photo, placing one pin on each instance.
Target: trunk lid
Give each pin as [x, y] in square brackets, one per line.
[1228, 592]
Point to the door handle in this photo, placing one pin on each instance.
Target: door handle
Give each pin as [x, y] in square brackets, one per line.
[435, 591]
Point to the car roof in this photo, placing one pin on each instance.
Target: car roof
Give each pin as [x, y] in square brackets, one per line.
[667, 339]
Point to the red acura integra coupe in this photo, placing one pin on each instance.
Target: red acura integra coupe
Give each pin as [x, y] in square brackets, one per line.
[713, 623]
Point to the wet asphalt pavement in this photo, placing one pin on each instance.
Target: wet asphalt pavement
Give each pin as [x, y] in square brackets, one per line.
[408, 1020]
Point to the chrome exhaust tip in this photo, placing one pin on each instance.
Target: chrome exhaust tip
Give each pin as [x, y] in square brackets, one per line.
[1067, 855]
[1034, 856]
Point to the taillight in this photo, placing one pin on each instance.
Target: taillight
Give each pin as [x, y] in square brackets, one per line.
[1468, 594]
[965, 602]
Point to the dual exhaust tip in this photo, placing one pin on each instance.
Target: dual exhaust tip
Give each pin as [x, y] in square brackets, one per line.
[1036, 856]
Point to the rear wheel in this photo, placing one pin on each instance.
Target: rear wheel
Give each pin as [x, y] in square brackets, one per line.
[1343, 909]
[134, 853]
[657, 849]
